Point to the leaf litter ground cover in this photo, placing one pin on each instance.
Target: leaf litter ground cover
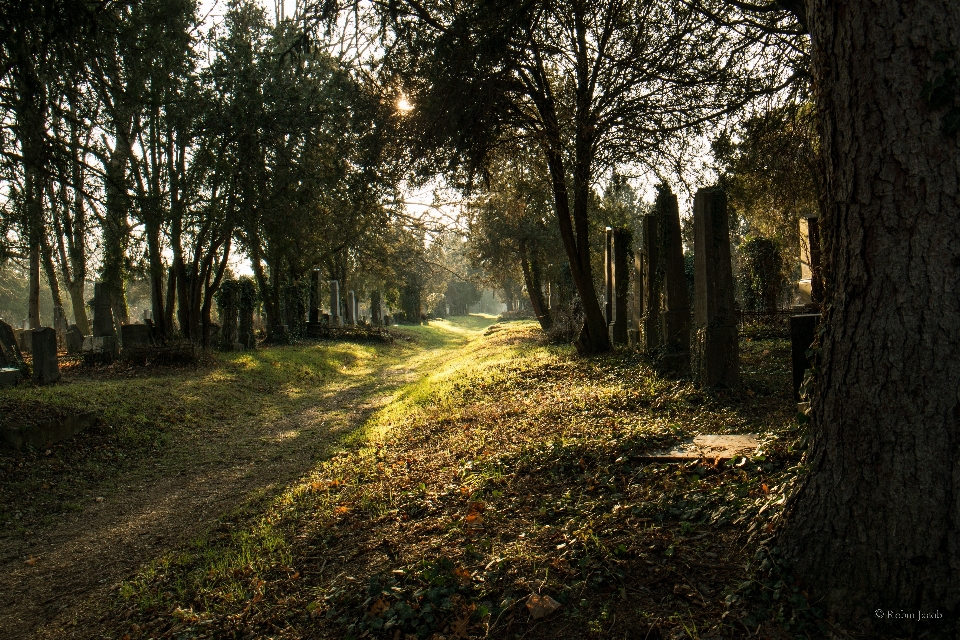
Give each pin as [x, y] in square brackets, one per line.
[174, 449]
[505, 495]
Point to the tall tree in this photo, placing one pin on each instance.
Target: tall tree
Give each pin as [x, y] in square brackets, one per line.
[876, 525]
[588, 84]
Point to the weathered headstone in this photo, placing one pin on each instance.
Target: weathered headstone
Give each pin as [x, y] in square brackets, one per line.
[25, 340]
[810, 285]
[608, 275]
[636, 317]
[652, 322]
[675, 303]
[387, 320]
[133, 336]
[46, 368]
[74, 339]
[102, 312]
[351, 308]
[803, 330]
[9, 345]
[716, 356]
[314, 297]
[620, 247]
[335, 319]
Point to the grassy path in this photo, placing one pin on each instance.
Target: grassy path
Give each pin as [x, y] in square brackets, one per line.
[177, 451]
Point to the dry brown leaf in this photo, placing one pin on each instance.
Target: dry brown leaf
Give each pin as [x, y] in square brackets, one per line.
[32, 561]
[378, 607]
[541, 606]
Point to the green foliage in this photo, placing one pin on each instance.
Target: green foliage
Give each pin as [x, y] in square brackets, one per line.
[768, 166]
[760, 274]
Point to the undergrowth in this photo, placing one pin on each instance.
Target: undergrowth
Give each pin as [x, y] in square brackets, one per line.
[513, 468]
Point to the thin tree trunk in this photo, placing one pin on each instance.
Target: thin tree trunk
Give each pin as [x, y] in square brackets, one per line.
[532, 281]
[876, 525]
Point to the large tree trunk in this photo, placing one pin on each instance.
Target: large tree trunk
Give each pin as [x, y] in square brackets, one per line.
[876, 526]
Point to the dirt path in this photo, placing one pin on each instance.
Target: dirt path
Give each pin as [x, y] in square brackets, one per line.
[164, 503]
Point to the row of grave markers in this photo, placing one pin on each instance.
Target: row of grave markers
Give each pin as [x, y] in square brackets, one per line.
[662, 320]
[661, 312]
[351, 310]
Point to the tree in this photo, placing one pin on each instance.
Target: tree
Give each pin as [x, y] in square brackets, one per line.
[511, 231]
[875, 525]
[587, 84]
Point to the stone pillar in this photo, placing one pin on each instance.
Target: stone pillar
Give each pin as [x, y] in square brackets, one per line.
[74, 339]
[652, 323]
[637, 314]
[810, 285]
[102, 312]
[716, 356]
[335, 319]
[608, 275]
[803, 330]
[351, 308]
[314, 297]
[46, 369]
[620, 245]
[675, 303]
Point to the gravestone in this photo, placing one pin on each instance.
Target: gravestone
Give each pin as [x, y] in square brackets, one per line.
[9, 347]
[634, 332]
[387, 320]
[25, 340]
[810, 285]
[335, 319]
[133, 336]
[716, 355]
[651, 323]
[102, 312]
[351, 308]
[620, 246]
[608, 276]
[803, 330]
[74, 339]
[675, 303]
[314, 297]
[46, 369]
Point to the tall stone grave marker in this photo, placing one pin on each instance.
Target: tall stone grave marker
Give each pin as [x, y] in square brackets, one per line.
[74, 339]
[651, 323]
[635, 331]
[314, 297]
[102, 312]
[46, 369]
[675, 302]
[608, 275]
[810, 285]
[620, 244]
[716, 356]
[335, 319]
[351, 308]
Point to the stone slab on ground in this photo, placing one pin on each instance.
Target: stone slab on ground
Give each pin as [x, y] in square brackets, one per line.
[9, 377]
[40, 435]
[710, 447]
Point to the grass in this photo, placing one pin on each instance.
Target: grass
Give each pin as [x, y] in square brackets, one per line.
[512, 468]
[233, 404]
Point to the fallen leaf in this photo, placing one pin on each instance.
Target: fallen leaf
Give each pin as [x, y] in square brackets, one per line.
[32, 561]
[766, 490]
[541, 606]
[341, 510]
[378, 607]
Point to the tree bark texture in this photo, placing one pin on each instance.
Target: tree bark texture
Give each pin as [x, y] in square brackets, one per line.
[876, 524]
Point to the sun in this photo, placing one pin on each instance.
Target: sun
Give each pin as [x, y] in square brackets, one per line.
[404, 105]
